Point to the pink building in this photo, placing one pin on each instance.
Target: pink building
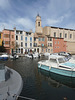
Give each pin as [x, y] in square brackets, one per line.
[8, 39]
[59, 45]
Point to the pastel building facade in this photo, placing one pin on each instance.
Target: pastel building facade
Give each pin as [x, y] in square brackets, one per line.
[8, 40]
[67, 34]
[63, 35]
[25, 41]
[1, 38]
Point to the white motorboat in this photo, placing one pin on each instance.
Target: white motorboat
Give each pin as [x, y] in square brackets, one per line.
[58, 64]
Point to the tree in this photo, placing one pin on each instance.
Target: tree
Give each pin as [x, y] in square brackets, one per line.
[2, 48]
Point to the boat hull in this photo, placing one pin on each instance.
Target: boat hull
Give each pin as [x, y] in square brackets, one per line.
[63, 72]
[3, 58]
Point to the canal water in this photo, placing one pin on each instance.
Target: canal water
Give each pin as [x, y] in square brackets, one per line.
[39, 84]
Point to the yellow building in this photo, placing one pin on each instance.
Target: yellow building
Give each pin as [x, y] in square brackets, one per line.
[1, 38]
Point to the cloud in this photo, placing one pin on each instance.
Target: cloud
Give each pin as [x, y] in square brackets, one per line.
[20, 23]
[54, 21]
[4, 4]
[22, 13]
[25, 22]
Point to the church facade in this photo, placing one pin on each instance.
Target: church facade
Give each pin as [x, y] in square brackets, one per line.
[61, 39]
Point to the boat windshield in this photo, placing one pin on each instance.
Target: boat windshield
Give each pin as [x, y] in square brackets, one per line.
[61, 60]
[53, 60]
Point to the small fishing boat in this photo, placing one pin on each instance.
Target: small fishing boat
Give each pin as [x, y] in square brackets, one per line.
[59, 65]
[4, 56]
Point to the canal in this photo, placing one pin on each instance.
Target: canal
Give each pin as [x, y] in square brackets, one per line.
[42, 85]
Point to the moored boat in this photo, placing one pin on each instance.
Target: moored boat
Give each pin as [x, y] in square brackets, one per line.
[4, 56]
[57, 64]
[10, 86]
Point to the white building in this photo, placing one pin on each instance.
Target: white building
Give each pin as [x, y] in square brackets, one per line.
[25, 41]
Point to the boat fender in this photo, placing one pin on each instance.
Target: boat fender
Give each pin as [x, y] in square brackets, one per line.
[40, 66]
[49, 67]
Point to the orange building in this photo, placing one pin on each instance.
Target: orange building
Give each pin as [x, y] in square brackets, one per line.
[59, 45]
[1, 38]
[8, 39]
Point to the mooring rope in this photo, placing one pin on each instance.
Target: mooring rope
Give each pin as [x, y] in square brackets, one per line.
[25, 98]
[22, 97]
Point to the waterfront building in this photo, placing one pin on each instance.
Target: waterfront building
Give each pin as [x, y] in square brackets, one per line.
[59, 45]
[24, 40]
[8, 40]
[67, 36]
[40, 43]
[40, 40]
[1, 38]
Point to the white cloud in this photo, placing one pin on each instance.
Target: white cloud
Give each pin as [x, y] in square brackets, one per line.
[54, 21]
[4, 4]
[25, 22]
[70, 26]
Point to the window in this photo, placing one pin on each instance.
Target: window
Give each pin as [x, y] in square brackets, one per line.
[0, 36]
[55, 42]
[30, 44]
[6, 35]
[65, 35]
[50, 44]
[34, 39]
[50, 39]
[70, 35]
[17, 32]
[21, 37]
[21, 44]
[54, 34]
[7, 42]
[25, 44]
[60, 35]
[58, 42]
[12, 43]
[43, 39]
[26, 34]
[21, 32]
[30, 39]
[16, 37]
[35, 44]
[38, 23]
[25, 38]
[53, 60]
[39, 39]
[12, 36]
[16, 44]
[48, 50]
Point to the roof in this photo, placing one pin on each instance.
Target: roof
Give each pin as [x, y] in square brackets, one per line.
[60, 28]
[17, 30]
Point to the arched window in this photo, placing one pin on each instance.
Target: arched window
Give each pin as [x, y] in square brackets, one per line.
[38, 23]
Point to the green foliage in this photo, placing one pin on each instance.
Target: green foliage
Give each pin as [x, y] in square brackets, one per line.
[2, 48]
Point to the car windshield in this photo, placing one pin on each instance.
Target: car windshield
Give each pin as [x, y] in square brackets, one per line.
[61, 60]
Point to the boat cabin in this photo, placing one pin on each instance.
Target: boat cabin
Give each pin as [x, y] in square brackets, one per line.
[57, 59]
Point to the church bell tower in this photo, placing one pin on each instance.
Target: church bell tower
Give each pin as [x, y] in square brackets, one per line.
[38, 28]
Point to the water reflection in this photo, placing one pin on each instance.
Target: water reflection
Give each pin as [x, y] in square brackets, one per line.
[58, 80]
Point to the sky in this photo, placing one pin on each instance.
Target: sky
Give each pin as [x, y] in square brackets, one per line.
[22, 13]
